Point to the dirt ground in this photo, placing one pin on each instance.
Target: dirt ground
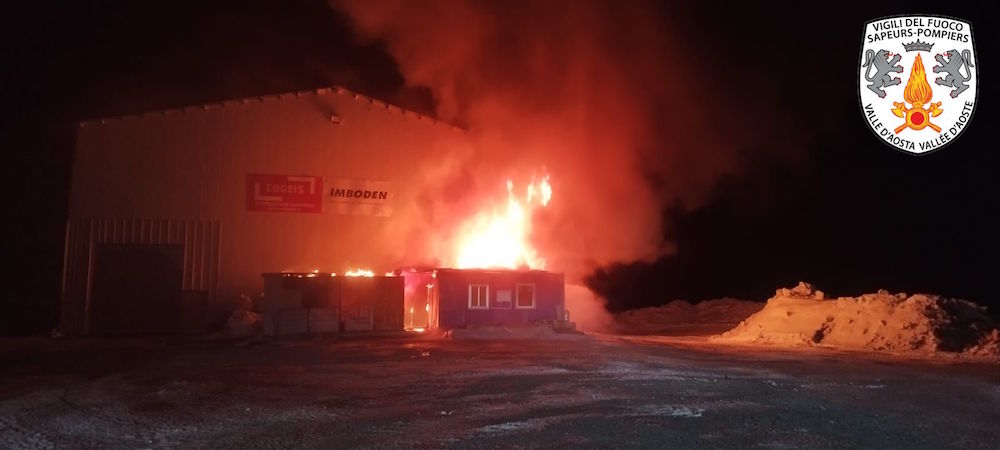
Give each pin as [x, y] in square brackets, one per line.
[423, 392]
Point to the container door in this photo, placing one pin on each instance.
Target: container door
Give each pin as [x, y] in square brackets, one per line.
[357, 295]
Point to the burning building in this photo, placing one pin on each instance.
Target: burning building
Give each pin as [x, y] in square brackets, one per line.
[175, 213]
[323, 303]
[496, 297]
[458, 298]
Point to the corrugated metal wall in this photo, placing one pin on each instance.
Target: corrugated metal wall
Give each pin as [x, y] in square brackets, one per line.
[201, 241]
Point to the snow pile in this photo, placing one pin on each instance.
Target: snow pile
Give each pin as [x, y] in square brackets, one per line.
[681, 317]
[243, 322]
[898, 323]
[538, 332]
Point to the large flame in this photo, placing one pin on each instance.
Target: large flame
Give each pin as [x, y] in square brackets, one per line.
[918, 90]
[359, 273]
[500, 238]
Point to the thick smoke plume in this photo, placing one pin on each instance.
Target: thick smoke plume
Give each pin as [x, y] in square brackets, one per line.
[594, 93]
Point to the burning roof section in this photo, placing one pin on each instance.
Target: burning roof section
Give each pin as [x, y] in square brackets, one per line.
[478, 270]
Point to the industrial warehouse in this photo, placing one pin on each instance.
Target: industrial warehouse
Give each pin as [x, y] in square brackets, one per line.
[175, 214]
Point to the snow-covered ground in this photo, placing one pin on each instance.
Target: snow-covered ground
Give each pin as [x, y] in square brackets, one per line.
[680, 318]
[801, 371]
[416, 392]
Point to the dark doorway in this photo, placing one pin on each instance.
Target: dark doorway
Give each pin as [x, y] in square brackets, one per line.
[136, 289]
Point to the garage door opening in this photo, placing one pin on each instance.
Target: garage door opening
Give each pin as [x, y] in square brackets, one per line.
[136, 289]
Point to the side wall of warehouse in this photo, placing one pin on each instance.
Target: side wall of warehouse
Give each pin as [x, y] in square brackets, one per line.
[180, 178]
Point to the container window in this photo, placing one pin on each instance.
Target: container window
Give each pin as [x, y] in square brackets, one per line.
[503, 299]
[479, 296]
[525, 296]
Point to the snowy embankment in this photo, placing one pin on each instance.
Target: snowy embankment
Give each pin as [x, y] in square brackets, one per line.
[917, 324]
[682, 318]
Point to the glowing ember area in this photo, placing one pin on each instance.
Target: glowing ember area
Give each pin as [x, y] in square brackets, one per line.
[500, 238]
[359, 273]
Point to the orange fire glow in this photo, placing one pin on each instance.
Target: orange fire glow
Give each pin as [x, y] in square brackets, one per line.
[500, 238]
[359, 273]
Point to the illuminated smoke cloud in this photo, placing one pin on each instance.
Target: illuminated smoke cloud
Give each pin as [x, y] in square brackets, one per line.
[592, 93]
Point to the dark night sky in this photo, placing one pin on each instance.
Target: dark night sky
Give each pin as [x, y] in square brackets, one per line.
[843, 211]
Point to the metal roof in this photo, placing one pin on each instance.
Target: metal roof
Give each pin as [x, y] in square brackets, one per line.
[389, 107]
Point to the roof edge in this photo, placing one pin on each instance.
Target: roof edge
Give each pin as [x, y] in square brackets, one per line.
[339, 90]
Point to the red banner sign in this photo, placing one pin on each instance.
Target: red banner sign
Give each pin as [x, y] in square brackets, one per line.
[284, 193]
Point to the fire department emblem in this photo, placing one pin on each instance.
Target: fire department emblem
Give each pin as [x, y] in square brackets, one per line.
[917, 80]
